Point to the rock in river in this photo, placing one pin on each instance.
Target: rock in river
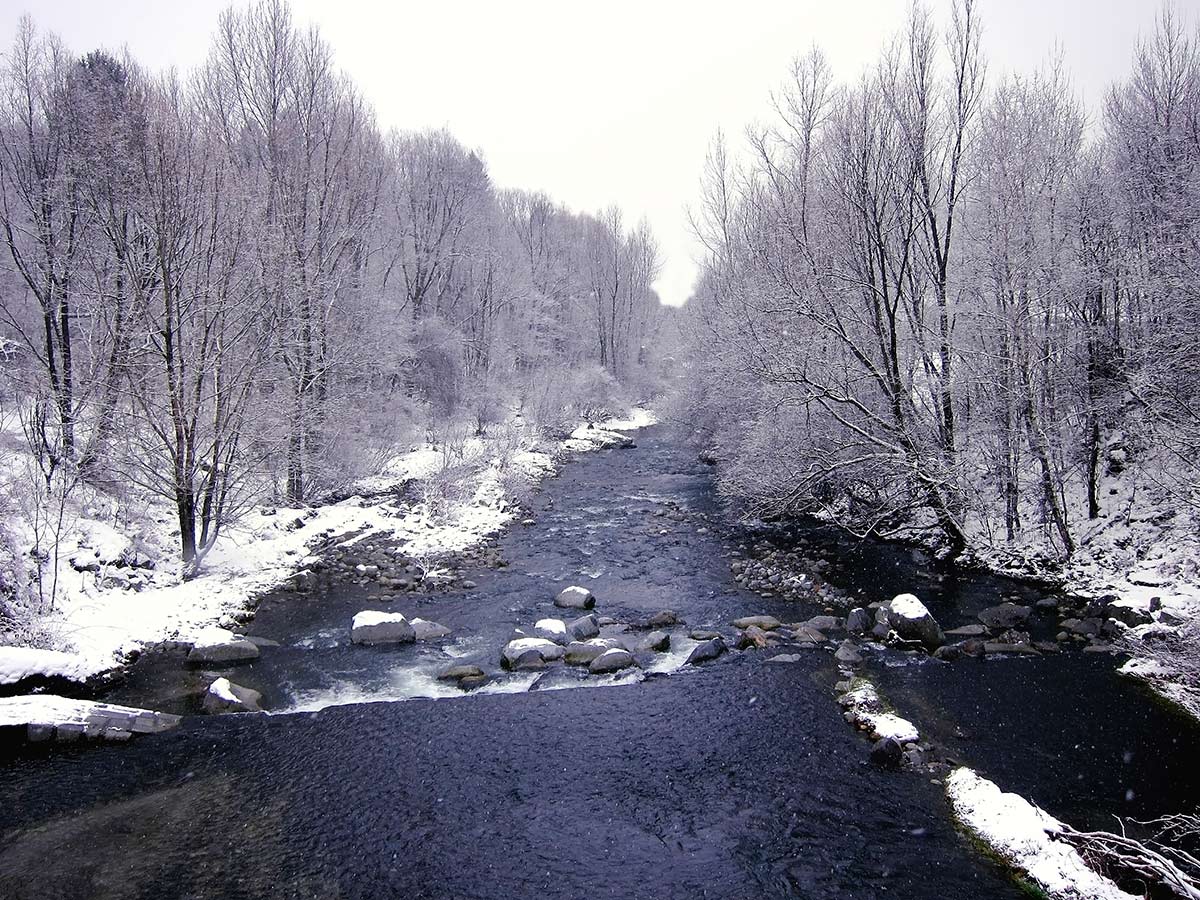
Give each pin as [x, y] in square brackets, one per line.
[859, 621]
[584, 628]
[374, 627]
[664, 618]
[753, 637]
[456, 673]
[1006, 615]
[575, 597]
[217, 645]
[225, 696]
[848, 653]
[613, 659]
[656, 642]
[514, 650]
[710, 649]
[909, 618]
[581, 653]
[766, 623]
[552, 630]
[428, 631]
[887, 753]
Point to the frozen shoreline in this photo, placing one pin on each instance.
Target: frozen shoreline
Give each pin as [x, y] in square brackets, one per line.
[98, 624]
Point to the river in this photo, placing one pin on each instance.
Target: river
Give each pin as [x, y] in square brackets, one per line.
[735, 779]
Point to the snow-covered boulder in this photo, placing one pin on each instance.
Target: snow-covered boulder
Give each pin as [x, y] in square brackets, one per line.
[613, 659]
[575, 597]
[373, 627]
[224, 696]
[907, 616]
[1022, 834]
[219, 645]
[424, 630]
[515, 649]
[552, 630]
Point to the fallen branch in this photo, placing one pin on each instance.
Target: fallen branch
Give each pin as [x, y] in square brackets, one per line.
[1157, 863]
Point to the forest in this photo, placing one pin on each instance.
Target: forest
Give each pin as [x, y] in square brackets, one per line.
[941, 305]
[232, 286]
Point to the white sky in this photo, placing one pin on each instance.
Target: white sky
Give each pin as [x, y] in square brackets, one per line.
[611, 102]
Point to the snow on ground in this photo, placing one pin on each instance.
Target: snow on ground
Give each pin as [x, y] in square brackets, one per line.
[1020, 833]
[99, 619]
[22, 662]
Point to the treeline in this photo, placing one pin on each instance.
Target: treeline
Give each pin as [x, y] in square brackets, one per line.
[234, 283]
[937, 300]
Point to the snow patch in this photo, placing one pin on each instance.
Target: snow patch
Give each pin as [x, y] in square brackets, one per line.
[1021, 834]
[17, 663]
[866, 709]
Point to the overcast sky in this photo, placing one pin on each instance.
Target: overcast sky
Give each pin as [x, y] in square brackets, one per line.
[601, 103]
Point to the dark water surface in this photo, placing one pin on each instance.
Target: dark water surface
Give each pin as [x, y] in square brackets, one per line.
[738, 779]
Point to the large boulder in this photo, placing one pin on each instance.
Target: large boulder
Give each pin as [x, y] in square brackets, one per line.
[224, 696]
[515, 649]
[428, 631]
[584, 628]
[708, 650]
[373, 627]
[613, 659]
[575, 597]
[552, 630]
[911, 621]
[218, 645]
[581, 653]
[1006, 615]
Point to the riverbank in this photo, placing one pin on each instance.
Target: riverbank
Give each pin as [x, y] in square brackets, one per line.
[119, 594]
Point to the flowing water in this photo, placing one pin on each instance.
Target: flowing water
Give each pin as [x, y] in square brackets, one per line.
[736, 779]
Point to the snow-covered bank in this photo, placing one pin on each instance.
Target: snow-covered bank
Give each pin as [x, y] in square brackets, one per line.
[104, 612]
[1021, 834]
